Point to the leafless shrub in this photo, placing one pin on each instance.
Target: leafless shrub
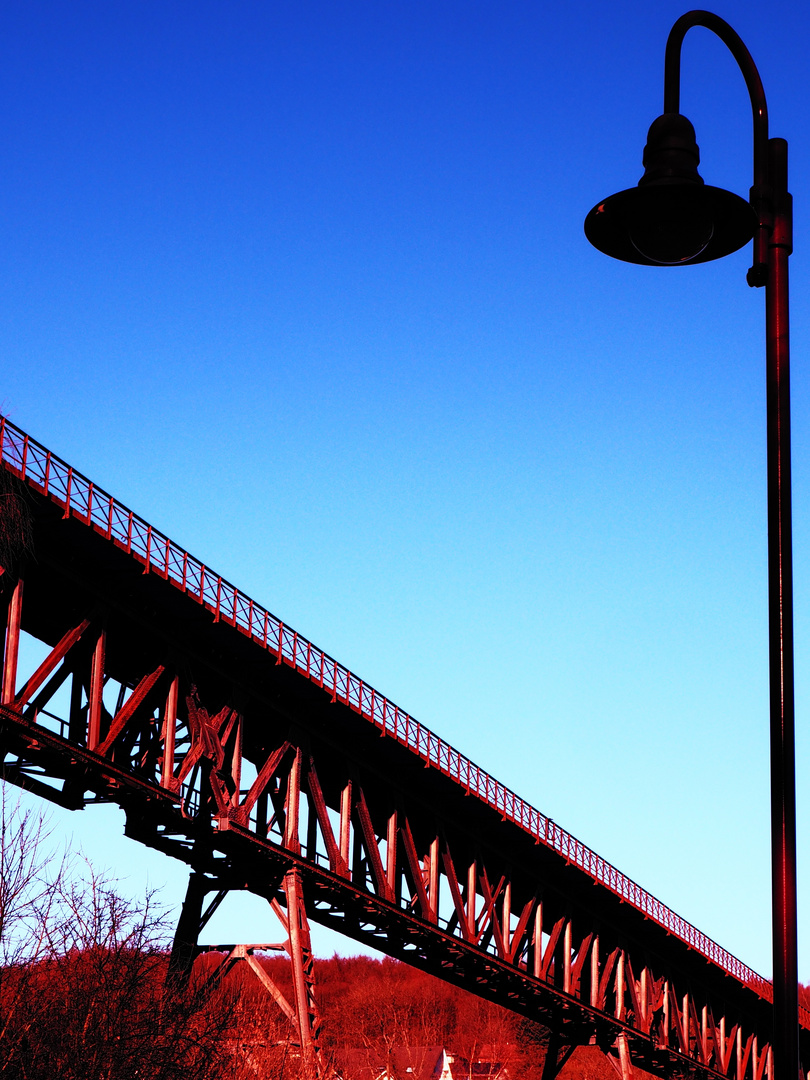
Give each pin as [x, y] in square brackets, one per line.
[83, 992]
[16, 528]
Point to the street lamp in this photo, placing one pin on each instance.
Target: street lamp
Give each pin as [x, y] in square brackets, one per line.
[673, 219]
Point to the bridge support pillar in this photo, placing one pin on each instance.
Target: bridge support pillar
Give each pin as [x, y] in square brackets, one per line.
[557, 1054]
[622, 1063]
[300, 950]
[303, 1014]
[624, 1059]
[184, 947]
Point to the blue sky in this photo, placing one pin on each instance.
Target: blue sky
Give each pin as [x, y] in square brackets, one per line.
[305, 284]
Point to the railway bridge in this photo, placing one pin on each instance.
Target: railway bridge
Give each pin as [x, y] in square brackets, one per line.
[236, 745]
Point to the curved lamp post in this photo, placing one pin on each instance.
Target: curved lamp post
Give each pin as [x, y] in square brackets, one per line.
[673, 219]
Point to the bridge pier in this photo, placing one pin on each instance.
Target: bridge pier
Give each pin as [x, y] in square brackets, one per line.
[184, 947]
[557, 1054]
[621, 1062]
[303, 1012]
[299, 948]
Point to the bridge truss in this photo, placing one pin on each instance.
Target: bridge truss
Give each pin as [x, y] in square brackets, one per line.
[234, 744]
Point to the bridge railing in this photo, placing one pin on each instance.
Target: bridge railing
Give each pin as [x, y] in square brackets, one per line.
[80, 498]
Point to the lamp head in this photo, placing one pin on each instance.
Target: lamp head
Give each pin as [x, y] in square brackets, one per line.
[672, 218]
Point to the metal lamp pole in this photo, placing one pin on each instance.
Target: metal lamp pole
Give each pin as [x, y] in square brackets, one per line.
[672, 218]
[780, 628]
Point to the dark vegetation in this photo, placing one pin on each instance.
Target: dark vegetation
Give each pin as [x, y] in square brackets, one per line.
[383, 1015]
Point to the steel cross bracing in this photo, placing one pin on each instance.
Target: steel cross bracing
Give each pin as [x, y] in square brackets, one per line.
[236, 745]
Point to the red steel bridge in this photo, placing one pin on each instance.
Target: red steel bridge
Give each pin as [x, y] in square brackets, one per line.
[236, 745]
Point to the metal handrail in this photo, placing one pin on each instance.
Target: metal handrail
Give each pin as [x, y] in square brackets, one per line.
[80, 498]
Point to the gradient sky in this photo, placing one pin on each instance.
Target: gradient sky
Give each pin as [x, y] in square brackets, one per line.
[305, 284]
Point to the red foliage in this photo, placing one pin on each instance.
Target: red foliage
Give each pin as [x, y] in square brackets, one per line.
[380, 1015]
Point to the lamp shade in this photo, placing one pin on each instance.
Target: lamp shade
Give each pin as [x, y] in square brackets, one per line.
[671, 218]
